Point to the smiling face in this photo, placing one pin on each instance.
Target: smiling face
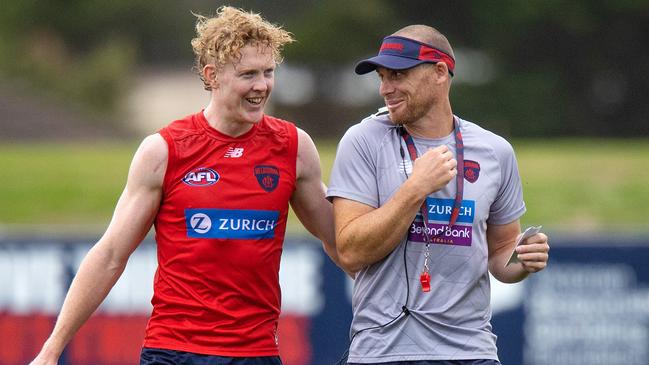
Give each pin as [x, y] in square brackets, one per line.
[242, 87]
[409, 94]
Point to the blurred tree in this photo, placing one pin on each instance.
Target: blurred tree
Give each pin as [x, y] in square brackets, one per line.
[86, 52]
[337, 31]
[563, 67]
[559, 67]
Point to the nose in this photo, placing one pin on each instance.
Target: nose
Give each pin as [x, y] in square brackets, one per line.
[260, 84]
[385, 88]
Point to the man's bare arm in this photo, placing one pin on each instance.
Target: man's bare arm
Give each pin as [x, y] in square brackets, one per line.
[105, 262]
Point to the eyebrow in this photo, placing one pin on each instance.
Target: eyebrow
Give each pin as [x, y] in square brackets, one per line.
[244, 68]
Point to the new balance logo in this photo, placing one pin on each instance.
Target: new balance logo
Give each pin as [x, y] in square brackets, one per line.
[234, 152]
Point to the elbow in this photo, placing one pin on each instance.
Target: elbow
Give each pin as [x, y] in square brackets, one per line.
[351, 256]
[347, 266]
[349, 260]
[107, 258]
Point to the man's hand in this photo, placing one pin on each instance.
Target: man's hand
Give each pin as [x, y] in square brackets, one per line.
[433, 170]
[533, 252]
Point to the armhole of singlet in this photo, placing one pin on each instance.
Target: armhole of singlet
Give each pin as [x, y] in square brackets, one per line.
[171, 156]
[293, 148]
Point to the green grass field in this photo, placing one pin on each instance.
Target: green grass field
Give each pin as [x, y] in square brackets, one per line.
[569, 185]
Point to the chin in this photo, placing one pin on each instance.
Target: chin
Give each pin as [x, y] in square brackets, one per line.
[397, 118]
[254, 118]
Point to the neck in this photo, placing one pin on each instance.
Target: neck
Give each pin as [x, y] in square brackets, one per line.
[228, 127]
[432, 125]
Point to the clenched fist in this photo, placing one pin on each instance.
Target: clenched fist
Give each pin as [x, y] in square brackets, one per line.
[433, 170]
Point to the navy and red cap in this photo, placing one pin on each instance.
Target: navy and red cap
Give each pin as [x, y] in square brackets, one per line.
[400, 53]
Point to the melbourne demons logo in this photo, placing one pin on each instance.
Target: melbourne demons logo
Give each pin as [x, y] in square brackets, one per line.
[471, 171]
[202, 176]
[267, 177]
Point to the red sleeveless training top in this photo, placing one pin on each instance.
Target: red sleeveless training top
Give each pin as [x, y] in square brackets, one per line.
[219, 230]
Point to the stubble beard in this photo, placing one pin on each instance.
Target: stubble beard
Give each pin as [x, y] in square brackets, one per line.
[412, 113]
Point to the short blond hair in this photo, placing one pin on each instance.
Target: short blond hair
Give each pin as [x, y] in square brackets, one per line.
[219, 39]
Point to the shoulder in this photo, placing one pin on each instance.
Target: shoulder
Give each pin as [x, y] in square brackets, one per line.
[308, 159]
[153, 147]
[303, 137]
[277, 126]
[305, 143]
[372, 128]
[180, 128]
[153, 152]
[186, 122]
[481, 138]
[149, 162]
[307, 153]
[283, 135]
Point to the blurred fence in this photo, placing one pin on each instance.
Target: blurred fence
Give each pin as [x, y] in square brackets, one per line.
[590, 306]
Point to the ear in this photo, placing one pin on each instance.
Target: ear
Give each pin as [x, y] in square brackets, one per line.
[210, 75]
[441, 71]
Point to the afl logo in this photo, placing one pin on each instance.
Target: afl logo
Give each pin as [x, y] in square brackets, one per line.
[200, 223]
[202, 176]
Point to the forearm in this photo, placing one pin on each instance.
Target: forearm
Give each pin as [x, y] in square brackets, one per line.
[511, 273]
[327, 237]
[96, 276]
[532, 252]
[320, 227]
[370, 237]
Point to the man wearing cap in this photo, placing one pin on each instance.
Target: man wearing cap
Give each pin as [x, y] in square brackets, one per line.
[426, 204]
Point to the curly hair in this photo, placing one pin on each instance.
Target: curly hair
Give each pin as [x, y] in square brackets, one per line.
[219, 39]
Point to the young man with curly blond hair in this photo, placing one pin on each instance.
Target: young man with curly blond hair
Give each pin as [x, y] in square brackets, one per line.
[217, 186]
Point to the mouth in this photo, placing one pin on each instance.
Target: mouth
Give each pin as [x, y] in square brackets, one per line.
[255, 100]
[393, 104]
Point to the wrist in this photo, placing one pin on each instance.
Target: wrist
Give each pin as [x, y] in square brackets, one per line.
[51, 349]
[414, 192]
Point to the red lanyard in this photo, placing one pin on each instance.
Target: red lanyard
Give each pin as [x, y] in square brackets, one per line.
[459, 183]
